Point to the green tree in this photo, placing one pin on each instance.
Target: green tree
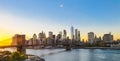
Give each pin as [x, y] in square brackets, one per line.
[17, 56]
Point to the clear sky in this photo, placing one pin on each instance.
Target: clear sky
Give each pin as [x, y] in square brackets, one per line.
[33, 16]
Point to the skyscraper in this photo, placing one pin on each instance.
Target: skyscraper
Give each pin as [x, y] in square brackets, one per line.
[64, 34]
[91, 37]
[60, 34]
[50, 35]
[34, 39]
[95, 39]
[40, 36]
[72, 32]
[79, 39]
[76, 34]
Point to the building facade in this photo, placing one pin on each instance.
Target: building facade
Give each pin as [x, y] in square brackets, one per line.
[34, 39]
[64, 34]
[72, 33]
[108, 37]
[76, 34]
[91, 37]
[18, 40]
[51, 35]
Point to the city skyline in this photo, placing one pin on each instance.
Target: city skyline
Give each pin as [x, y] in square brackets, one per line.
[64, 34]
[29, 17]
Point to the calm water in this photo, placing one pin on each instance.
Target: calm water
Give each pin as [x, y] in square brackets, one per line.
[77, 54]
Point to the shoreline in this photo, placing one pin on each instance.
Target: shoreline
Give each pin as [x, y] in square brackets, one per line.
[112, 48]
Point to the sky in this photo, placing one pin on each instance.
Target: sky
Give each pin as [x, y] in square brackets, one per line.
[33, 16]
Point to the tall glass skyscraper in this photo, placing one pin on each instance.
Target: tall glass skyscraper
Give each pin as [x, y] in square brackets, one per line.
[72, 32]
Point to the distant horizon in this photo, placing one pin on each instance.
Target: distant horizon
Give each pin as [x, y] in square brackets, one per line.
[29, 17]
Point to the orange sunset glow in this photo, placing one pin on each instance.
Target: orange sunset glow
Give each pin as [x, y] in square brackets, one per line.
[32, 18]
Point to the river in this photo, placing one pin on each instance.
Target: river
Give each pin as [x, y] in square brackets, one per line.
[76, 54]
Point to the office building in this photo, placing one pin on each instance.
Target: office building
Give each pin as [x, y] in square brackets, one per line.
[72, 33]
[108, 37]
[76, 34]
[64, 34]
[60, 35]
[79, 39]
[34, 39]
[91, 37]
[51, 35]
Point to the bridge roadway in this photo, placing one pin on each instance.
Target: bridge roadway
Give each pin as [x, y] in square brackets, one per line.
[31, 45]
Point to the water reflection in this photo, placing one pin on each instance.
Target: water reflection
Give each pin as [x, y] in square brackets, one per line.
[44, 52]
[77, 54]
[82, 55]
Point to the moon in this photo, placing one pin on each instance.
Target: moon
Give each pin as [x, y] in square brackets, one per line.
[61, 5]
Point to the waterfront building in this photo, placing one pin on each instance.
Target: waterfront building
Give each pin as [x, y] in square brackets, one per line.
[108, 37]
[91, 37]
[64, 34]
[34, 39]
[99, 39]
[42, 38]
[59, 40]
[79, 39]
[30, 42]
[60, 34]
[95, 39]
[50, 40]
[18, 40]
[72, 33]
[54, 39]
[76, 34]
[50, 35]
[59, 37]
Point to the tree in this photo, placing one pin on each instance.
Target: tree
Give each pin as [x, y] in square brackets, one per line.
[17, 56]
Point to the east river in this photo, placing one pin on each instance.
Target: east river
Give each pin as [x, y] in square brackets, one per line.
[76, 54]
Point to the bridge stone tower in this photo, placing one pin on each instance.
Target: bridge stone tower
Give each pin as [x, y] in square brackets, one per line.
[19, 41]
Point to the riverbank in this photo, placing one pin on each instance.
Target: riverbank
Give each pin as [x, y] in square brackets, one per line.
[116, 48]
[113, 48]
[34, 58]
